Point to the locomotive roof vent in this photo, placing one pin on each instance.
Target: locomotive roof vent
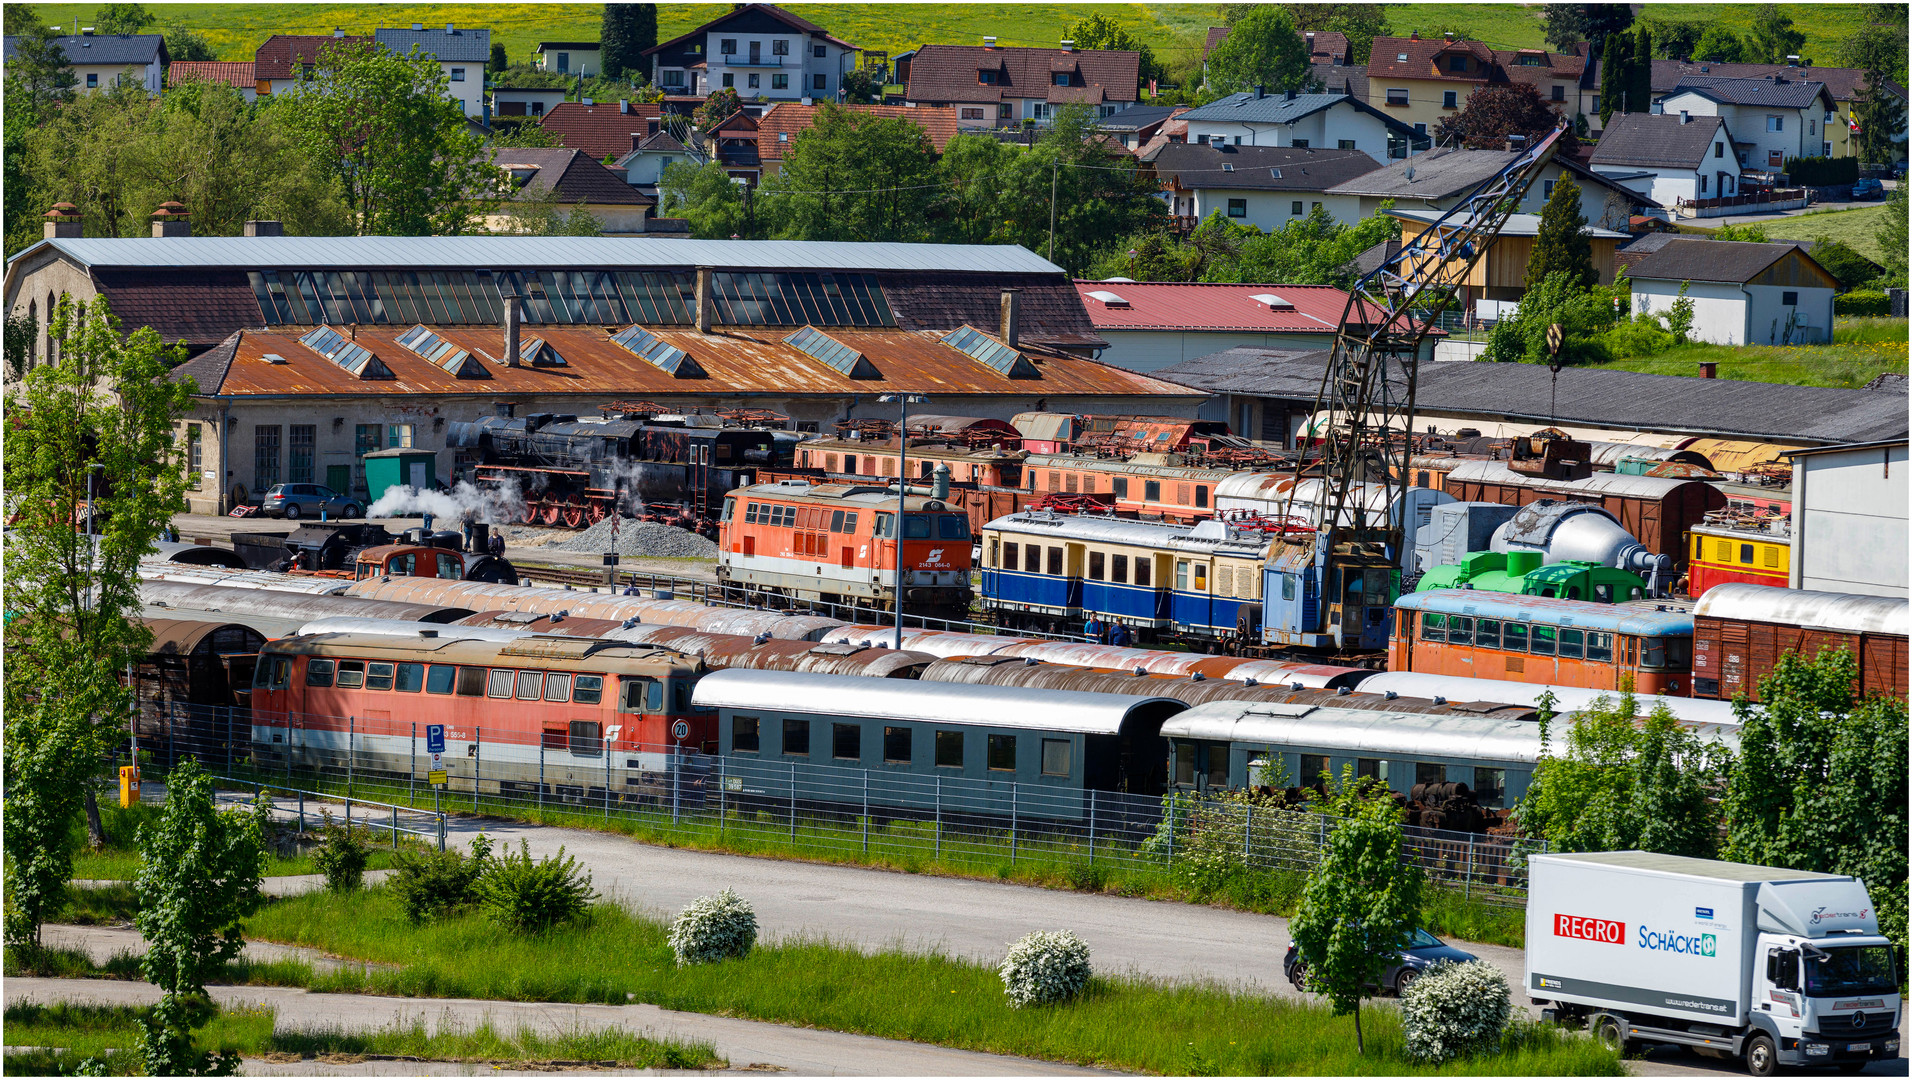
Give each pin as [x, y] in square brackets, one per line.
[1250, 682]
[1030, 661]
[1439, 700]
[1198, 677]
[1140, 671]
[1390, 695]
[1343, 692]
[1294, 686]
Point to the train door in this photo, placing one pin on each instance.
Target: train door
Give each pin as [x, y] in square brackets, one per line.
[1627, 661]
[1076, 556]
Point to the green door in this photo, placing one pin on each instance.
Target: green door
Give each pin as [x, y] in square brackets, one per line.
[339, 478]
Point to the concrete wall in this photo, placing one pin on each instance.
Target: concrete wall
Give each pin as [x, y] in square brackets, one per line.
[1719, 308]
[1324, 130]
[1849, 521]
[1768, 315]
[1152, 350]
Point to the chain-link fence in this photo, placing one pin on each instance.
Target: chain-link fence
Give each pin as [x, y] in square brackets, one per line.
[875, 806]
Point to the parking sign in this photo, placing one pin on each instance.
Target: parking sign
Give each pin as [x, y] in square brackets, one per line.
[434, 738]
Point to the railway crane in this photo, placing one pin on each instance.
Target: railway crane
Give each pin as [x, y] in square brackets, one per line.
[1330, 581]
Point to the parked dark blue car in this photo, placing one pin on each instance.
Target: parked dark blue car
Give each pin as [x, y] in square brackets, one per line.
[1868, 189]
[1422, 951]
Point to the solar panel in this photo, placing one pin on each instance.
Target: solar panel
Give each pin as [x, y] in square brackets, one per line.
[658, 353]
[349, 355]
[833, 352]
[991, 353]
[442, 353]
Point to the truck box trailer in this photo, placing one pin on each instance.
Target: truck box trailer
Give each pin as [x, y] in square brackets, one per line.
[1781, 967]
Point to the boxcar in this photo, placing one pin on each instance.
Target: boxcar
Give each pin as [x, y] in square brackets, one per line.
[1657, 510]
[790, 735]
[1741, 630]
[1723, 553]
[1542, 639]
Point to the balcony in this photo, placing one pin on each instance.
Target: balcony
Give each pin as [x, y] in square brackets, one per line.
[738, 60]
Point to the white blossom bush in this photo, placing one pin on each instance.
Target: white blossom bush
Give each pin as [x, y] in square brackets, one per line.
[713, 928]
[1454, 1010]
[1044, 968]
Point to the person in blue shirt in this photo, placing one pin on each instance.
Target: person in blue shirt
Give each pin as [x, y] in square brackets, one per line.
[1118, 634]
[1092, 629]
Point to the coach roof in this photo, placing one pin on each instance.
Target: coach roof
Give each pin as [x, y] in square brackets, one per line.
[793, 692]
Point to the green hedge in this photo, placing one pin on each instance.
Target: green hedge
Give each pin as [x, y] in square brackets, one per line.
[1862, 303]
[1822, 172]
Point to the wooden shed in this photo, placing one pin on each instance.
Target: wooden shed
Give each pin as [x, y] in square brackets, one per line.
[1501, 274]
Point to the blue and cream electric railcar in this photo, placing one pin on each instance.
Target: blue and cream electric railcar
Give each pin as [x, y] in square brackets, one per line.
[992, 750]
[1159, 579]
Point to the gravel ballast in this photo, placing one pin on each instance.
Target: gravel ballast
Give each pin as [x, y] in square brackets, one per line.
[640, 539]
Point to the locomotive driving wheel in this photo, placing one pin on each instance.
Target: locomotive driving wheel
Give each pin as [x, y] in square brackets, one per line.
[549, 511]
[596, 511]
[573, 512]
[529, 516]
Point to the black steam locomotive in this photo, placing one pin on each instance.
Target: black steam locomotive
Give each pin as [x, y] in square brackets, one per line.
[575, 472]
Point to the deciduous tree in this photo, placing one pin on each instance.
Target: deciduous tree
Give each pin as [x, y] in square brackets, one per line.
[1263, 49]
[1495, 112]
[855, 176]
[1676, 39]
[1098, 31]
[121, 19]
[186, 44]
[1892, 238]
[1567, 24]
[723, 103]
[862, 87]
[102, 399]
[1773, 37]
[39, 78]
[707, 197]
[1878, 48]
[20, 18]
[627, 30]
[1361, 903]
[1720, 45]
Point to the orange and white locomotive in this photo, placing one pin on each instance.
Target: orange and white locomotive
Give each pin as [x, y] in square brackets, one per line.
[835, 545]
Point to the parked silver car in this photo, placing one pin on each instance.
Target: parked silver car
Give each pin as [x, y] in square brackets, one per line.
[295, 501]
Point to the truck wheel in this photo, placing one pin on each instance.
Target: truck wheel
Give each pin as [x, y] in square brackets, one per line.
[1611, 1032]
[1762, 1057]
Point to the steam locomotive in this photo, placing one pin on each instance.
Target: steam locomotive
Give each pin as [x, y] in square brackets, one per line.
[575, 472]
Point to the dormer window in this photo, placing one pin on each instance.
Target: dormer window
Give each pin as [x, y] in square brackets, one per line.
[1457, 63]
[1062, 78]
[1531, 60]
[987, 78]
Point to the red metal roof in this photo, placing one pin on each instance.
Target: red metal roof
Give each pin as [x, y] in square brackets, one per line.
[1156, 305]
[238, 73]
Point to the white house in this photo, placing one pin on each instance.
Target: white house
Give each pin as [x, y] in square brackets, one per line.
[100, 61]
[1669, 157]
[644, 166]
[1771, 119]
[525, 100]
[580, 58]
[1743, 294]
[1321, 121]
[761, 51]
[1263, 186]
[462, 53]
[1849, 518]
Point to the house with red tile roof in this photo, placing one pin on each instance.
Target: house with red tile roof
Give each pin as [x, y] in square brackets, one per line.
[778, 128]
[602, 129]
[1000, 86]
[276, 64]
[759, 50]
[234, 73]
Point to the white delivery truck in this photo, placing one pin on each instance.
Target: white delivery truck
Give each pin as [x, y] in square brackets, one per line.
[1781, 967]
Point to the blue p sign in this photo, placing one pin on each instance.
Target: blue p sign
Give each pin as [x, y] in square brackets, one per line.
[434, 738]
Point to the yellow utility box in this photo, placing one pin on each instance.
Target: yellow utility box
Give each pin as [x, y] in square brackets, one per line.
[129, 785]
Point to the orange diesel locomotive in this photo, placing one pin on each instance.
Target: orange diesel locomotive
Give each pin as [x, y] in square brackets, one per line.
[835, 545]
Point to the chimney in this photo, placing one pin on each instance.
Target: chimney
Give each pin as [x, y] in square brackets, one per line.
[418, 28]
[624, 106]
[1792, 60]
[1011, 317]
[1260, 91]
[265, 228]
[338, 31]
[1068, 44]
[1414, 36]
[1709, 369]
[1291, 96]
[1516, 143]
[1686, 118]
[450, 29]
[62, 222]
[1449, 36]
[703, 300]
[989, 43]
[512, 300]
[171, 219]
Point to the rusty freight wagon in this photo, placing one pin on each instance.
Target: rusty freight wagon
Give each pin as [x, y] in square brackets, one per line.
[1740, 631]
[195, 677]
[1658, 511]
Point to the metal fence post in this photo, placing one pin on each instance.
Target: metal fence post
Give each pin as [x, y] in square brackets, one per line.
[288, 751]
[939, 820]
[394, 828]
[541, 774]
[411, 768]
[1248, 836]
[301, 812]
[607, 780]
[677, 774]
[351, 760]
[1172, 803]
[866, 811]
[722, 795]
[793, 802]
[1091, 826]
[1012, 823]
[477, 763]
[1467, 882]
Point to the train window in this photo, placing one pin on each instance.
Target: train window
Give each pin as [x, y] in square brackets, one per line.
[750, 513]
[922, 470]
[1371, 768]
[1679, 654]
[1430, 772]
[1460, 630]
[1142, 571]
[1570, 648]
[896, 745]
[1287, 586]
[1181, 575]
[836, 521]
[1378, 587]
[557, 686]
[642, 695]
[530, 685]
[471, 681]
[410, 678]
[952, 527]
[1421, 480]
[588, 690]
[1215, 756]
[730, 507]
[1009, 555]
[1055, 561]
[796, 738]
[743, 734]
[554, 737]
[992, 557]
[915, 527]
[1096, 566]
[1201, 494]
[1603, 594]
[449, 567]
[1599, 647]
[949, 749]
[1490, 787]
[1002, 753]
[317, 672]
[846, 742]
[1312, 766]
[1513, 637]
[849, 523]
[1540, 641]
[849, 463]
[1119, 486]
[1055, 757]
[585, 741]
[1151, 491]
[1119, 569]
[1201, 577]
[1746, 554]
[351, 674]
[502, 680]
[1433, 623]
[378, 676]
[1487, 633]
[1653, 652]
[883, 525]
[1184, 764]
[680, 697]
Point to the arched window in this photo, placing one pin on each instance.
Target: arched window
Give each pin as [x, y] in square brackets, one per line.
[33, 351]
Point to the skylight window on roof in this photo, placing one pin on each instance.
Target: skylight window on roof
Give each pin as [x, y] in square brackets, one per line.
[833, 352]
[442, 353]
[538, 353]
[1108, 299]
[658, 353]
[991, 353]
[1272, 302]
[347, 354]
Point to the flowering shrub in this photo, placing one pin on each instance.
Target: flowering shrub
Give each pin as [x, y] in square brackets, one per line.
[713, 928]
[1044, 968]
[1455, 1009]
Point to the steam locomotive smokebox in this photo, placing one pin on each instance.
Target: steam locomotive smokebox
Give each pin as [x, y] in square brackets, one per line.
[332, 547]
[260, 550]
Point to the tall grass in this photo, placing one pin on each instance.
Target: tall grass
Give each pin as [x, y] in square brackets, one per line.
[1120, 1022]
[1852, 360]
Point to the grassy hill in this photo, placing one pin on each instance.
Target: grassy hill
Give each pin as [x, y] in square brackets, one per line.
[1173, 30]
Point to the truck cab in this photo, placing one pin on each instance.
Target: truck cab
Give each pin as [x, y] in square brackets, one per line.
[1829, 1000]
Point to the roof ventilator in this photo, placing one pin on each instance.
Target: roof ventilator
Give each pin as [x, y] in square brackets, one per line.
[991, 353]
[442, 353]
[823, 347]
[658, 353]
[539, 353]
[349, 355]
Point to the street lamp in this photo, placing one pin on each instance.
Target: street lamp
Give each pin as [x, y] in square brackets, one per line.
[903, 403]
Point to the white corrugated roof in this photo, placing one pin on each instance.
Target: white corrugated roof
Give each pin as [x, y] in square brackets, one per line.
[533, 252]
[1014, 707]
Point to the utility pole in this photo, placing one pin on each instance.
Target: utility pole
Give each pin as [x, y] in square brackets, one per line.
[903, 402]
[1054, 166]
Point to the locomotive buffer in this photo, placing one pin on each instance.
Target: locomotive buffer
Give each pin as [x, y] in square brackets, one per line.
[1333, 586]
